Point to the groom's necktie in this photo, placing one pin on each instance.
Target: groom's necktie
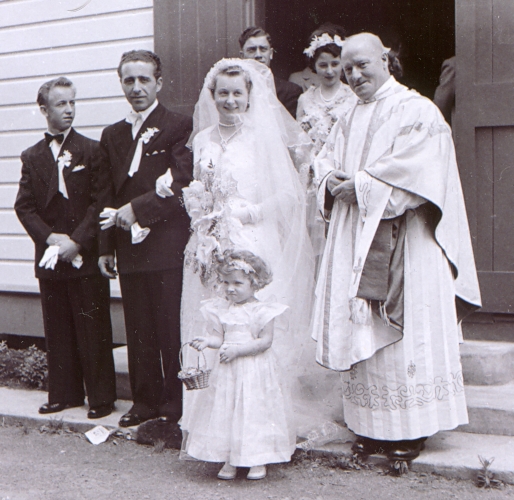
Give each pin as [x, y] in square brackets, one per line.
[136, 120]
[59, 138]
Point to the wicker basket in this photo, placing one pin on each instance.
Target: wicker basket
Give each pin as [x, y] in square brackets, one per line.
[194, 378]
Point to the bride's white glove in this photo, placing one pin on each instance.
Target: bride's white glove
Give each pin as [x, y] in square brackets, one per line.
[247, 213]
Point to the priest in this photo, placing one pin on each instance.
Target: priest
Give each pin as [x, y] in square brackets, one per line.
[398, 272]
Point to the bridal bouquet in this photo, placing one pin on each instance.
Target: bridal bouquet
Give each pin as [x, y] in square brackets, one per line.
[207, 203]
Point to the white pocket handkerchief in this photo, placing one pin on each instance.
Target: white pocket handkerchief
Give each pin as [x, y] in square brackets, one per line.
[78, 168]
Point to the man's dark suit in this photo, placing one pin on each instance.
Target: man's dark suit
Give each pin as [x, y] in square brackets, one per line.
[75, 301]
[150, 271]
[288, 94]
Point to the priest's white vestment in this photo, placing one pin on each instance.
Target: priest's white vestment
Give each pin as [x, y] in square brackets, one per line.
[394, 332]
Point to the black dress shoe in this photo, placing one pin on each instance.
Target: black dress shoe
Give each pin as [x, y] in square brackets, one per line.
[57, 407]
[169, 419]
[100, 411]
[367, 446]
[130, 419]
[406, 450]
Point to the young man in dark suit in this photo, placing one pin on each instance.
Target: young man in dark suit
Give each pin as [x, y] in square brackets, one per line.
[255, 44]
[56, 205]
[135, 152]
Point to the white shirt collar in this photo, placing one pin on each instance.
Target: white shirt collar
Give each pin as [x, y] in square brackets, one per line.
[146, 113]
[54, 146]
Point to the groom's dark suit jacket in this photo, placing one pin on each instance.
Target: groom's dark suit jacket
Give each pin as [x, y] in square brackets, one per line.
[42, 210]
[167, 218]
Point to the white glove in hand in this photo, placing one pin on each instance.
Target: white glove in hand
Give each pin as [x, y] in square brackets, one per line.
[51, 256]
[138, 233]
[163, 185]
[109, 214]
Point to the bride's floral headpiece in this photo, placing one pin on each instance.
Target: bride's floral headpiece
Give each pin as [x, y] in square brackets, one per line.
[321, 41]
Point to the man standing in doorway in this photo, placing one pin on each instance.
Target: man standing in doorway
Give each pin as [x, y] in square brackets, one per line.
[255, 44]
[398, 272]
[134, 153]
[56, 205]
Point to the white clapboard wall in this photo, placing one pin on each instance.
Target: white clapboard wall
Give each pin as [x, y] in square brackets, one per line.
[40, 40]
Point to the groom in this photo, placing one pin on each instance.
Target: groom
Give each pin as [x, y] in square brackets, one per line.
[134, 153]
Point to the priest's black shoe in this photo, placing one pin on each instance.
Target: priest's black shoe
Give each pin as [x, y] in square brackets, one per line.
[57, 407]
[406, 450]
[367, 446]
[100, 411]
[131, 419]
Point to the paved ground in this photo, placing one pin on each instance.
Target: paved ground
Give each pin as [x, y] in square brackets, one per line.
[64, 466]
[451, 454]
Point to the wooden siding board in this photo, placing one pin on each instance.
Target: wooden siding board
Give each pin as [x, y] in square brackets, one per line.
[10, 170]
[88, 114]
[40, 11]
[95, 57]
[12, 144]
[94, 85]
[19, 248]
[8, 195]
[9, 223]
[77, 32]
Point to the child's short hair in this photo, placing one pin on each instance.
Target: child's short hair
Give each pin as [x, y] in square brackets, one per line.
[242, 260]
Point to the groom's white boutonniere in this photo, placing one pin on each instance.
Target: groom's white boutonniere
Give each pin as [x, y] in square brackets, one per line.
[65, 159]
[148, 134]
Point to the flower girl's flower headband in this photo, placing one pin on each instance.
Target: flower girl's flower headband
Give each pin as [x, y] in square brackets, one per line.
[321, 41]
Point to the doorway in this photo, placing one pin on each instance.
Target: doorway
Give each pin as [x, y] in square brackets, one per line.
[422, 31]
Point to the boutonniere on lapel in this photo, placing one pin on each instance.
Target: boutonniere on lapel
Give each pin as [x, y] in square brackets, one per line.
[64, 160]
[148, 134]
[145, 138]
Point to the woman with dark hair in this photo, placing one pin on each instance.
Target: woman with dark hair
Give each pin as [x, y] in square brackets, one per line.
[318, 109]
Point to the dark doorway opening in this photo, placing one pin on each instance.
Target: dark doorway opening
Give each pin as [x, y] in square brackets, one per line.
[423, 32]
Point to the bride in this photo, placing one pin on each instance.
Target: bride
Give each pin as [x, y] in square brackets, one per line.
[247, 195]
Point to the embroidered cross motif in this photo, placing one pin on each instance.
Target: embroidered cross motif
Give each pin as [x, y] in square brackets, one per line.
[357, 270]
[411, 369]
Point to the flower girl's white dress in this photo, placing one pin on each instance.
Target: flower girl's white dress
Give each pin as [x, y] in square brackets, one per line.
[244, 416]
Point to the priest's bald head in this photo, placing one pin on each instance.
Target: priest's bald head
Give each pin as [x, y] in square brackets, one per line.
[365, 64]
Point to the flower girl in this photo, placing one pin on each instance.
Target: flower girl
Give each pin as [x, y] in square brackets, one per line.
[244, 417]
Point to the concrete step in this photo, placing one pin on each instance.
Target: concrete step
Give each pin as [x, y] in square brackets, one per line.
[487, 363]
[17, 405]
[450, 454]
[490, 409]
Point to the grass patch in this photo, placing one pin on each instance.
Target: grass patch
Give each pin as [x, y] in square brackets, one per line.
[23, 368]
